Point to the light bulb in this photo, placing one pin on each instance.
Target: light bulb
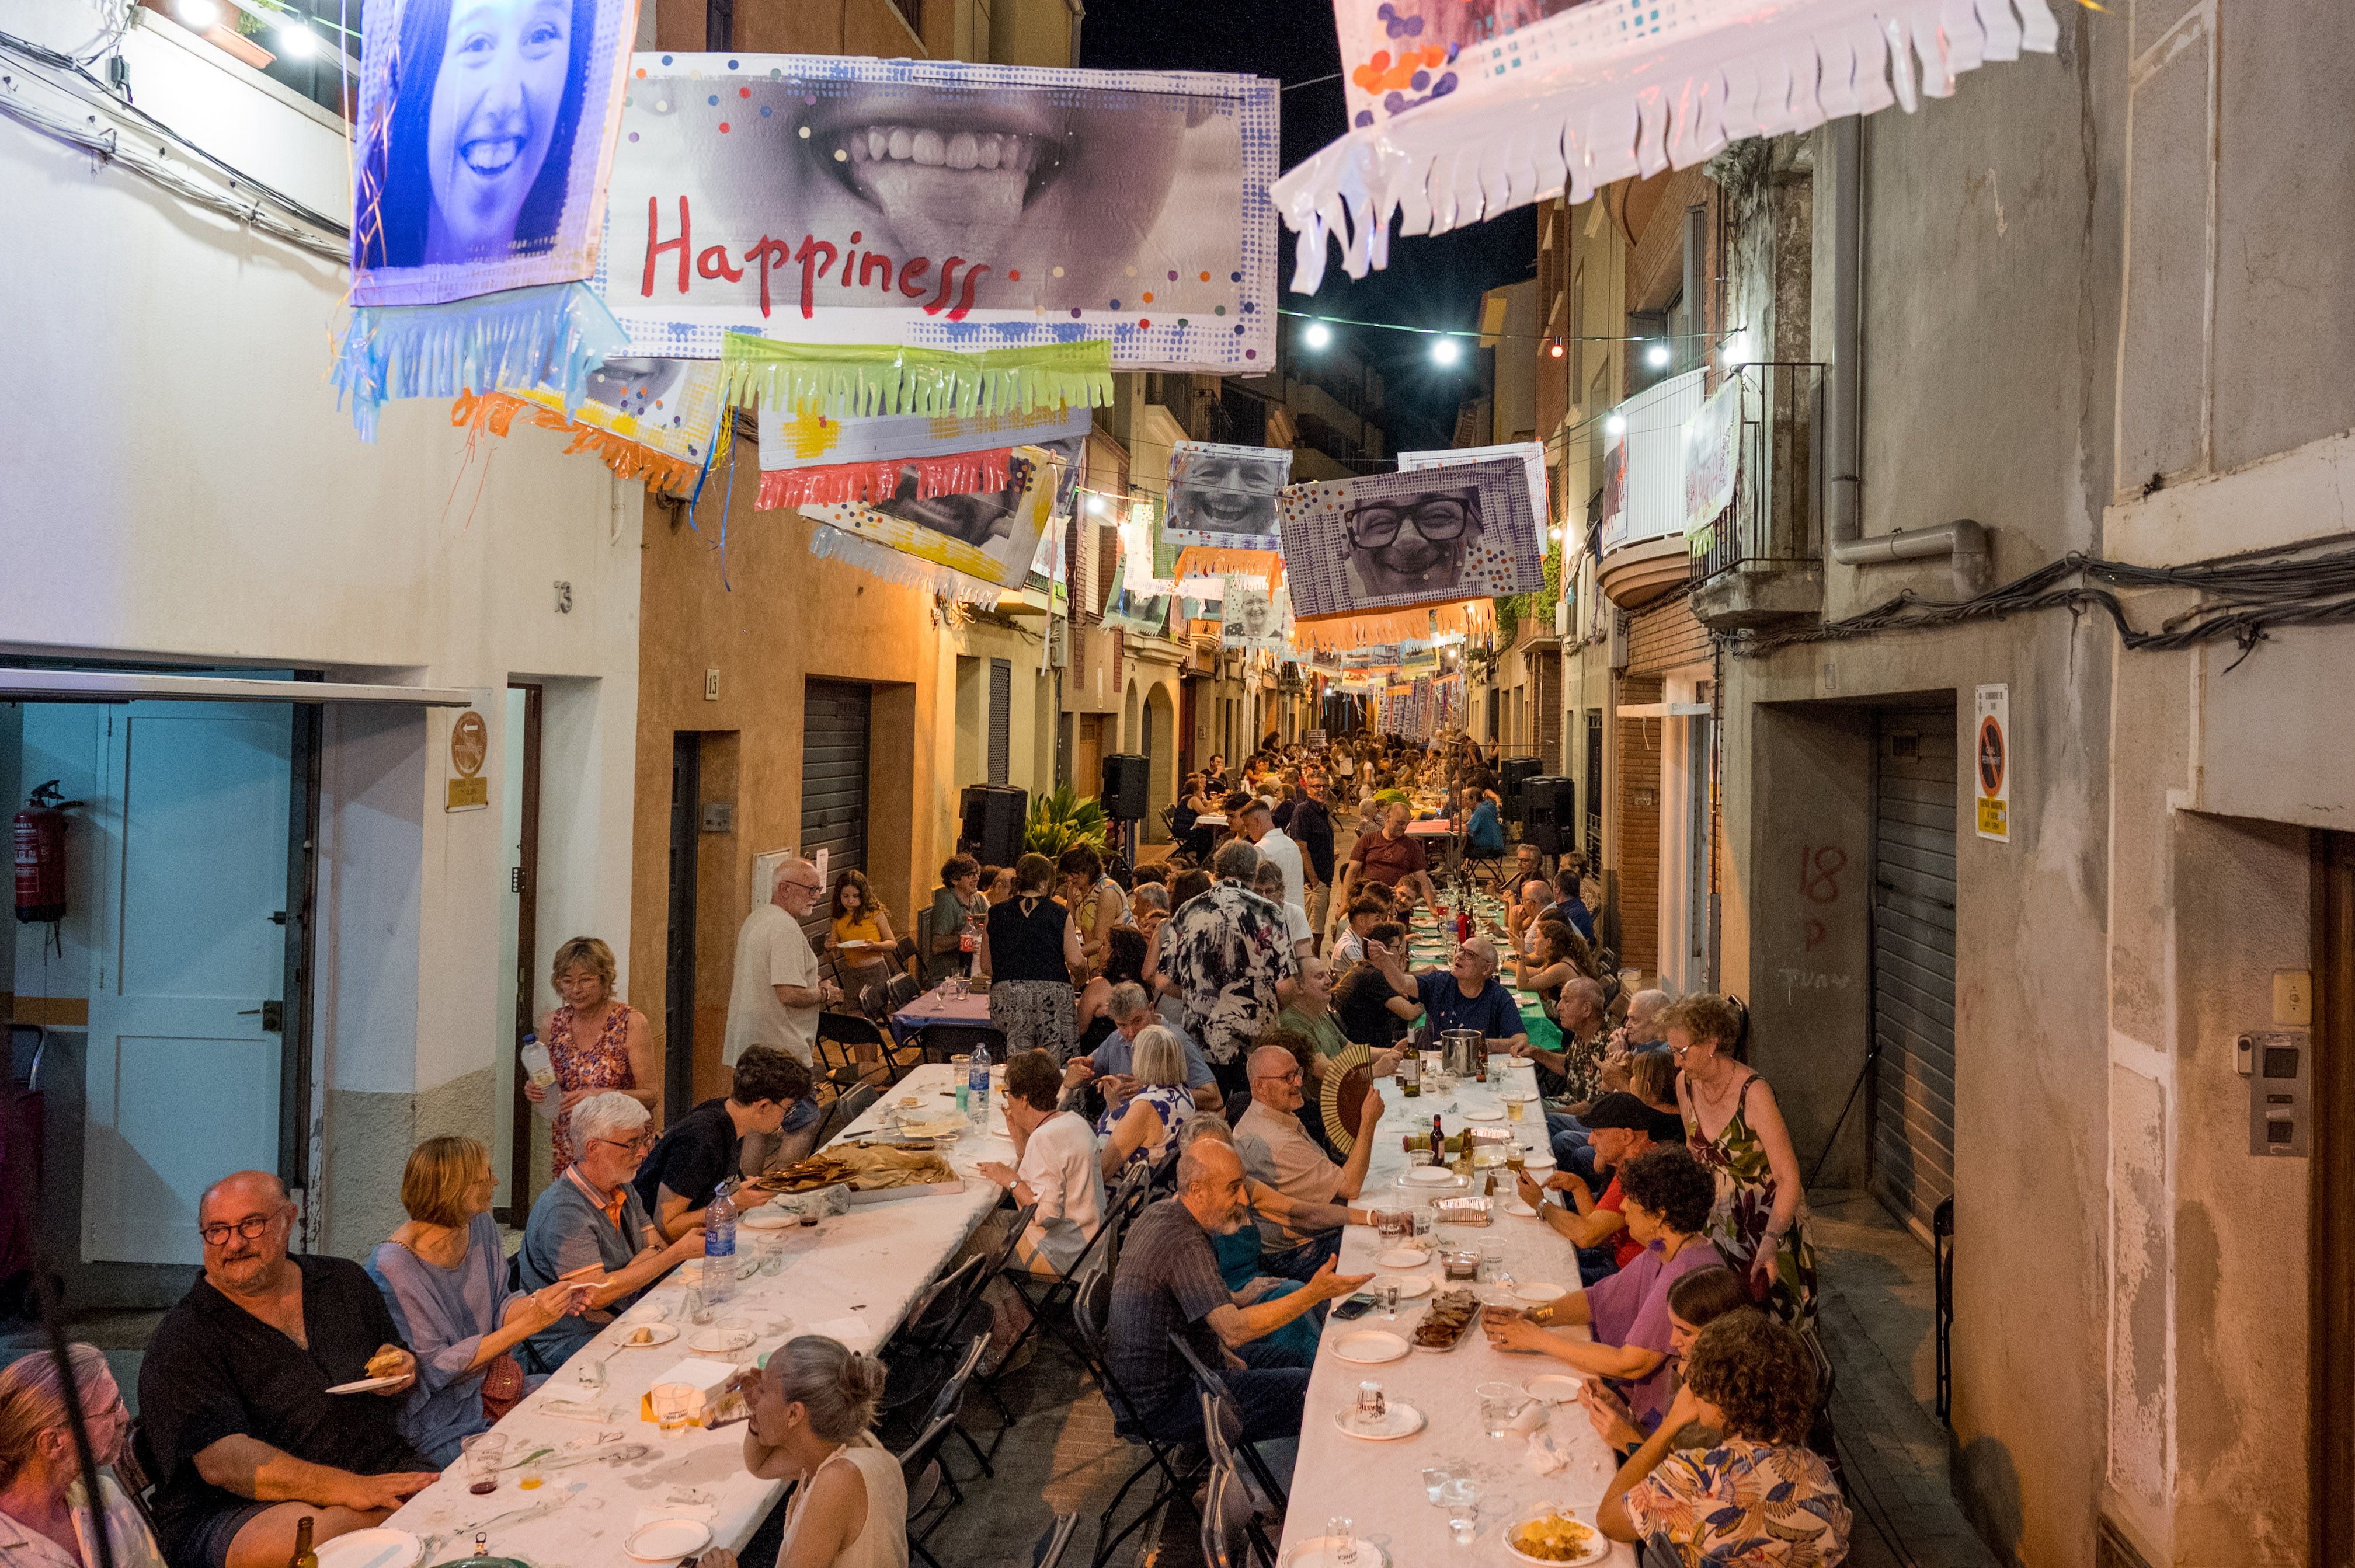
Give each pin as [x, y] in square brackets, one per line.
[200, 15]
[1657, 356]
[295, 41]
[1555, 348]
[1317, 334]
[1446, 350]
[1096, 505]
[1616, 426]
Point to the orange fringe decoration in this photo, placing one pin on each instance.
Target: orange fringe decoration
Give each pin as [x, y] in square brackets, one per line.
[961, 473]
[1370, 628]
[495, 412]
[1203, 561]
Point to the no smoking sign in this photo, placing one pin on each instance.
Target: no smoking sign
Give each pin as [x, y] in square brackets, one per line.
[1992, 758]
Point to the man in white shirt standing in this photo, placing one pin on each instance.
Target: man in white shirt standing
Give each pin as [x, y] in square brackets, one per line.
[778, 992]
[1257, 822]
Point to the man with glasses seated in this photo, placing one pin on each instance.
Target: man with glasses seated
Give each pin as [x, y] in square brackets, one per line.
[1277, 1151]
[590, 1223]
[234, 1392]
[1412, 548]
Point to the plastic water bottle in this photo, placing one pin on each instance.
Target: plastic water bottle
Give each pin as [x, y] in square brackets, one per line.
[976, 1081]
[720, 1244]
[541, 1070]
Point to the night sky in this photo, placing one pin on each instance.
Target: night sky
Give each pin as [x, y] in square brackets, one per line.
[1432, 280]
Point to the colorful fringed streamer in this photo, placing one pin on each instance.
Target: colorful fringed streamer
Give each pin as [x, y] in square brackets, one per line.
[1585, 97]
[1345, 631]
[1205, 561]
[883, 561]
[993, 537]
[657, 420]
[842, 379]
[841, 482]
[548, 337]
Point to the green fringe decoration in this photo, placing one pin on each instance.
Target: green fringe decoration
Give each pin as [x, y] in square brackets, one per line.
[843, 380]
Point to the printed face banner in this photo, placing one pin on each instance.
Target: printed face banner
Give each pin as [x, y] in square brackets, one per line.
[1390, 541]
[1224, 497]
[994, 536]
[943, 204]
[1530, 455]
[811, 458]
[656, 420]
[486, 132]
[1250, 619]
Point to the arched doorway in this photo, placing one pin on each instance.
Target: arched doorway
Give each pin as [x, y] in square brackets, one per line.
[1161, 767]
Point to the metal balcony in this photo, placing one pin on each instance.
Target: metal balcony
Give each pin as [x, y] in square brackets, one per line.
[1765, 567]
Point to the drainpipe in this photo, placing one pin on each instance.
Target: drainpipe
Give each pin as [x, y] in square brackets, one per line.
[1690, 352]
[1962, 540]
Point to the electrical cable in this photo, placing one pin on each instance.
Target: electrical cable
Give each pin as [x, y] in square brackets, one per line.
[1515, 336]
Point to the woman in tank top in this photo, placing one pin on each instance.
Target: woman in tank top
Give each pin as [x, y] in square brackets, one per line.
[1027, 954]
[812, 1409]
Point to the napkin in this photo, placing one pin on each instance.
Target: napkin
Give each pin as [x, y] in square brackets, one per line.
[1548, 1453]
[577, 1410]
[1530, 1418]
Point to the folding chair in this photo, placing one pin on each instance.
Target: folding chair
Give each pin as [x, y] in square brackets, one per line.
[918, 1359]
[1048, 1549]
[1090, 1304]
[1017, 1225]
[848, 1031]
[927, 1477]
[1230, 1528]
[1213, 1386]
[843, 1110]
[1055, 1295]
[950, 1399]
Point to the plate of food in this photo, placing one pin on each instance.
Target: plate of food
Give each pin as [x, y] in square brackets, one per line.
[1557, 1538]
[646, 1336]
[1449, 1321]
[1369, 1347]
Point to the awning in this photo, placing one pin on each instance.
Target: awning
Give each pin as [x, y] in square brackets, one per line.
[135, 686]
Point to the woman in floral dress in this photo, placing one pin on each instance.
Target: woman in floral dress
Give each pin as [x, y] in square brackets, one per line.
[1736, 1131]
[595, 1041]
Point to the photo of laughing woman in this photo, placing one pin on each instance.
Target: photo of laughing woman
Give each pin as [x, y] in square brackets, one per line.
[487, 134]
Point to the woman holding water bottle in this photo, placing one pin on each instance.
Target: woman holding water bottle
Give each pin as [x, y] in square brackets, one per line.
[595, 1041]
[959, 906]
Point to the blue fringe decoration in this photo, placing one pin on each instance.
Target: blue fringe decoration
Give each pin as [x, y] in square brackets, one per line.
[549, 336]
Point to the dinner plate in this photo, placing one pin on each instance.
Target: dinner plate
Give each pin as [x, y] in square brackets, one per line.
[1483, 1113]
[1323, 1552]
[1410, 1286]
[658, 1334]
[717, 1341]
[667, 1539]
[1538, 1292]
[1369, 1347]
[1520, 1210]
[1554, 1388]
[1403, 1257]
[363, 1386]
[1598, 1546]
[1428, 1176]
[372, 1549]
[1398, 1421]
[768, 1217]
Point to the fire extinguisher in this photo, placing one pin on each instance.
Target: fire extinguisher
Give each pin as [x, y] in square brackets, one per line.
[40, 841]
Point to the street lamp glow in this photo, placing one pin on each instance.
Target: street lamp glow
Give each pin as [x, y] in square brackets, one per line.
[1096, 505]
[200, 14]
[1657, 356]
[1317, 334]
[1446, 350]
[296, 42]
[1616, 426]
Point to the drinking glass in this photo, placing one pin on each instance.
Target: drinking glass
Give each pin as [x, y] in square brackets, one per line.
[1420, 1157]
[591, 1373]
[483, 1453]
[1434, 1485]
[1499, 1402]
[1514, 1106]
[530, 1476]
[1460, 1496]
[1343, 1534]
[1372, 1408]
[1390, 1292]
[670, 1402]
[696, 1309]
[1423, 1221]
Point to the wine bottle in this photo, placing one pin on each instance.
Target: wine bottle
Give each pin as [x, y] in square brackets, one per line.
[305, 1557]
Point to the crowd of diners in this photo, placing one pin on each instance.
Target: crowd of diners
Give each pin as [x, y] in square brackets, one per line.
[1178, 1016]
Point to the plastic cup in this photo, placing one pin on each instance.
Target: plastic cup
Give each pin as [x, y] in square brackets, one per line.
[1344, 1535]
[670, 1400]
[1499, 1402]
[483, 1453]
[1460, 1496]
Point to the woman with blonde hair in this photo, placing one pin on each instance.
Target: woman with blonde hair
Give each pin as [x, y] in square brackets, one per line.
[445, 1277]
[1736, 1131]
[45, 1513]
[595, 1041]
[1139, 1131]
[812, 1410]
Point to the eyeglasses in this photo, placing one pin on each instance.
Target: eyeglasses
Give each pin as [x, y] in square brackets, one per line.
[250, 1228]
[806, 887]
[1291, 1077]
[637, 1145]
[1439, 518]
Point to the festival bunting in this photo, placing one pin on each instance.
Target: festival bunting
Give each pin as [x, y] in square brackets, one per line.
[990, 539]
[656, 420]
[810, 458]
[1224, 497]
[1358, 552]
[483, 150]
[946, 204]
[1251, 617]
[1529, 454]
[1457, 113]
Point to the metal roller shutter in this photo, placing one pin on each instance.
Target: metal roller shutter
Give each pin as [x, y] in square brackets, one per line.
[1913, 963]
[834, 779]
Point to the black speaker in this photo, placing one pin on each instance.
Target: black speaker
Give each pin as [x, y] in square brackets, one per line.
[1124, 787]
[993, 815]
[1512, 772]
[1550, 814]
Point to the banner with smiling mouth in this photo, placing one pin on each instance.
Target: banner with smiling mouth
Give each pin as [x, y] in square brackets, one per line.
[943, 205]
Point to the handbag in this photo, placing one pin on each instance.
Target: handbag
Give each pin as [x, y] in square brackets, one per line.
[503, 1386]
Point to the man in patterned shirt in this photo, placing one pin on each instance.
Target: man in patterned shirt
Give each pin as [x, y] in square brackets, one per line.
[1228, 956]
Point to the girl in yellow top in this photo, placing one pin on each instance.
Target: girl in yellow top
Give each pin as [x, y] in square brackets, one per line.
[859, 934]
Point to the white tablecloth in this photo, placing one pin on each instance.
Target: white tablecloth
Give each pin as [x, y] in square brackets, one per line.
[1379, 1486]
[853, 1277]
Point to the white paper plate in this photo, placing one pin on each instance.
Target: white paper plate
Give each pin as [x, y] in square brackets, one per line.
[769, 1216]
[1369, 1347]
[372, 1549]
[1554, 1388]
[1483, 1113]
[1399, 1421]
[1596, 1550]
[1403, 1257]
[1320, 1552]
[667, 1539]
[1536, 1161]
[1428, 1176]
[718, 1341]
[660, 1334]
[1515, 1207]
[1539, 1291]
[363, 1386]
[1410, 1286]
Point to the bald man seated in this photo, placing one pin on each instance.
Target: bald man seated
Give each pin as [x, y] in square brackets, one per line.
[234, 1392]
[1276, 1149]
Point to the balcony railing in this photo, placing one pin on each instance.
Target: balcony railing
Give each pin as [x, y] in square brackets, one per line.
[1777, 517]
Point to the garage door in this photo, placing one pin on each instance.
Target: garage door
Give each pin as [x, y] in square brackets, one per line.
[834, 779]
[1913, 962]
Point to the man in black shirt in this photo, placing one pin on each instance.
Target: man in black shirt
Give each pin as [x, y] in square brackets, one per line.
[1373, 1011]
[677, 1180]
[234, 1385]
[1312, 829]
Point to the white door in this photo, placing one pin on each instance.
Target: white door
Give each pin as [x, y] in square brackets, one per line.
[191, 864]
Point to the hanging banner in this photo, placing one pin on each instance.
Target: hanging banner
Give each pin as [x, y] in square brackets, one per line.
[1459, 112]
[849, 200]
[994, 536]
[1251, 619]
[660, 420]
[1390, 541]
[486, 139]
[809, 457]
[1530, 455]
[1223, 497]
[1713, 457]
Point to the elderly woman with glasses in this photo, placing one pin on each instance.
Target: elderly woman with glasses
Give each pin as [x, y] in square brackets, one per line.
[44, 1495]
[590, 1228]
[1736, 1131]
[595, 1041]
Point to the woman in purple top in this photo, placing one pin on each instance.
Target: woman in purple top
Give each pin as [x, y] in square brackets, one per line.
[1668, 1199]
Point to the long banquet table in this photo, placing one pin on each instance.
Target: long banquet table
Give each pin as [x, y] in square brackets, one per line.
[1380, 1485]
[852, 1277]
